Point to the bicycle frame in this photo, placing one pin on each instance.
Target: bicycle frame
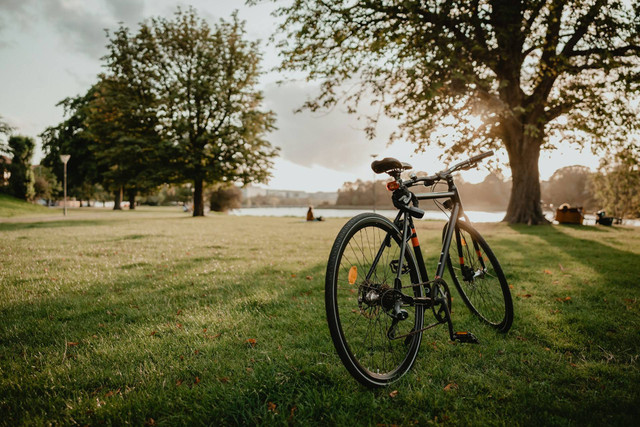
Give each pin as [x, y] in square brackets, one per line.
[404, 222]
[407, 221]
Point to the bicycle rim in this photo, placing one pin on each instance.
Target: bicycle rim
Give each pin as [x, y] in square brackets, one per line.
[360, 297]
[478, 277]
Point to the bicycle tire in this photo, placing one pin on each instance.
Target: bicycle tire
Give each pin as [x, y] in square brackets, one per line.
[358, 326]
[485, 292]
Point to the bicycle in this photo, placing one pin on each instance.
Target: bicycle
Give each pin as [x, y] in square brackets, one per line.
[377, 290]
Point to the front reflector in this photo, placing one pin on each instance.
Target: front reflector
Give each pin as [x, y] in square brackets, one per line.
[353, 275]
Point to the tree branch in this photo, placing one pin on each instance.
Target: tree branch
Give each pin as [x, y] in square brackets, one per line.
[582, 27]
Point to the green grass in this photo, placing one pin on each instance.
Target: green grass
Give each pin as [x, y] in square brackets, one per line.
[11, 207]
[151, 316]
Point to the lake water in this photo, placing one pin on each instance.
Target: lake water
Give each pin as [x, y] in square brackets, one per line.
[475, 216]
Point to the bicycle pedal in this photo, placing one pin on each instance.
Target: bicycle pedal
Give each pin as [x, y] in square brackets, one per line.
[465, 337]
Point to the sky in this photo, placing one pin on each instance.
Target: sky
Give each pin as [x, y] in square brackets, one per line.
[51, 50]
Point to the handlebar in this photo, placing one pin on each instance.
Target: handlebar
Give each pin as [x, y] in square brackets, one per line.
[444, 174]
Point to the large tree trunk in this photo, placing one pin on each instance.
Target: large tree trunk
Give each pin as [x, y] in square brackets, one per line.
[198, 199]
[132, 199]
[117, 200]
[524, 203]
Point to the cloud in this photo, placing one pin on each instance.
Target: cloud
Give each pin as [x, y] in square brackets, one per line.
[14, 12]
[334, 140]
[80, 24]
[127, 11]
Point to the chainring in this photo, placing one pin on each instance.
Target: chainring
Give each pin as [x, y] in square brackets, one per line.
[440, 289]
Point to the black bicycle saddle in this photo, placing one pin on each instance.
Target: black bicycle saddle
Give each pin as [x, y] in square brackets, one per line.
[389, 164]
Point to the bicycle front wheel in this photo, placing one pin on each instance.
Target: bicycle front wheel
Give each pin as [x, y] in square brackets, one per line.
[361, 295]
[477, 274]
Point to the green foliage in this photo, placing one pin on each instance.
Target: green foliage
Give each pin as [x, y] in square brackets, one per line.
[225, 198]
[21, 181]
[71, 137]
[617, 182]
[5, 129]
[476, 75]
[46, 185]
[135, 318]
[199, 83]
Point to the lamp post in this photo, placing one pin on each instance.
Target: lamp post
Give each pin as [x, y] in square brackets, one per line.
[373, 157]
[65, 158]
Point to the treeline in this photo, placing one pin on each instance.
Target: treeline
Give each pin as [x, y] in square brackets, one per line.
[177, 103]
[615, 187]
[491, 194]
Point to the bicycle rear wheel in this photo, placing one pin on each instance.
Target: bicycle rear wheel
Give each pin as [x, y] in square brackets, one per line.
[477, 274]
[360, 298]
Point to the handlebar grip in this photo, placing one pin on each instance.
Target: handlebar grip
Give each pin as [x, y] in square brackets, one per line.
[481, 156]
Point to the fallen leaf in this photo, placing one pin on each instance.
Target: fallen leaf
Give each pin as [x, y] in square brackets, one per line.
[178, 383]
[524, 295]
[293, 276]
[72, 344]
[150, 422]
[309, 277]
[510, 286]
[179, 313]
[451, 386]
[547, 272]
[393, 394]
[197, 380]
[293, 410]
[272, 407]
[223, 380]
[153, 333]
[561, 267]
[251, 341]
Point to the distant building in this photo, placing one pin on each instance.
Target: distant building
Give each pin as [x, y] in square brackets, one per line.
[252, 196]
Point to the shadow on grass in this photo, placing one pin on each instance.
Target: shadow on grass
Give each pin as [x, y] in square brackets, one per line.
[608, 261]
[16, 226]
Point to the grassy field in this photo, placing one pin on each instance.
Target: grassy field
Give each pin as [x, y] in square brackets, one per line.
[12, 207]
[153, 317]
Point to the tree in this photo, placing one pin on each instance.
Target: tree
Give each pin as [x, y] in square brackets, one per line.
[71, 137]
[204, 92]
[225, 198]
[21, 179]
[122, 123]
[45, 185]
[5, 130]
[570, 184]
[511, 73]
[617, 182]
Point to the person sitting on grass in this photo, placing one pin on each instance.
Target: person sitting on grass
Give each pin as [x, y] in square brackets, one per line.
[310, 216]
